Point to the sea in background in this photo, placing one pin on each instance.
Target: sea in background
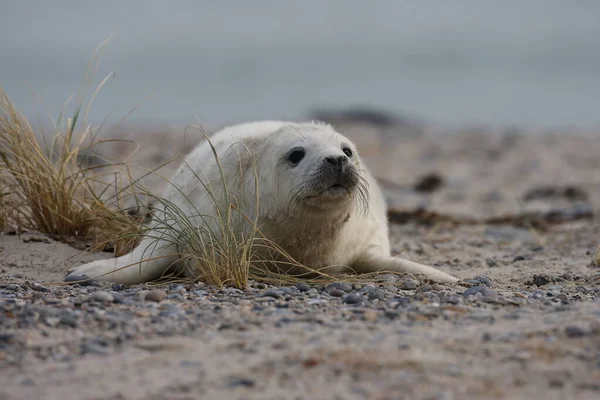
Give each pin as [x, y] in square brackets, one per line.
[501, 63]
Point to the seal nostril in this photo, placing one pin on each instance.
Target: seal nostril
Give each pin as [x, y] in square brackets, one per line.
[337, 161]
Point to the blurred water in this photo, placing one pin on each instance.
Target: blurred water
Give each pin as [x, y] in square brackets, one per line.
[501, 62]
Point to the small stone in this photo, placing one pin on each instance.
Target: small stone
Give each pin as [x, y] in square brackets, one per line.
[491, 263]
[336, 293]
[409, 284]
[174, 296]
[102, 297]
[117, 287]
[240, 381]
[39, 287]
[303, 287]
[352, 298]
[518, 258]
[346, 287]
[537, 295]
[79, 279]
[540, 280]
[271, 293]
[484, 280]
[68, 320]
[562, 297]
[574, 331]
[120, 299]
[13, 287]
[261, 286]
[483, 290]
[376, 294]
[156, 295]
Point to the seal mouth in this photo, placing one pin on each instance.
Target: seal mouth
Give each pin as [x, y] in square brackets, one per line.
[336, 190]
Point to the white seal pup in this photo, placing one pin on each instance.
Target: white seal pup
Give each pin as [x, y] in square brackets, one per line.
[317, 201]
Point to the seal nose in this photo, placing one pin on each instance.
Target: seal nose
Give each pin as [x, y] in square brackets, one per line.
[337, 162]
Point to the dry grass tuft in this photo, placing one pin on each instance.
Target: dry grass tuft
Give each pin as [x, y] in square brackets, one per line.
[44, 188]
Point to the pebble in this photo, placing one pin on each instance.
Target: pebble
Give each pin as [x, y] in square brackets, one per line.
[39, 287]
[271, 293]
[336, 293]
[518, 258]
[540, 280]
[483, 290]
[574, 331]
[491, 263]
[68, 320]
[352, 298]
[410, 284]
[156, 295]
[484, 280]
[303, 287]
[346, 287]
[102, 297]
[376, 294]
[117, 287]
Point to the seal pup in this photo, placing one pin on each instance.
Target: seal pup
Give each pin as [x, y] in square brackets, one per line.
[317, 201]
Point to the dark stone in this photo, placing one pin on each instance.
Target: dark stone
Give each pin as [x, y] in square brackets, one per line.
[303, 287]
[352, 298]
[574, 331]
[271, 293]
[540, 280]
[429, 183]
[336, 293]
[375, 294]
[491, 263]
[240, 381]
[518, 258]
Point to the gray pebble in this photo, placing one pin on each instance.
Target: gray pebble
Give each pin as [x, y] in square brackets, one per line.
[562, 297]
[271, 293]
[518, 258]
[574, 331]
[39, 287]
[336, 293]
[117, 287]
[156, 295]
[174, 296]
[484, 280]
[68, 320]
[102, 297]
[491, 263]
[13, 287]
[376, 294]
[537, 295]
[303, 287]
[352, 298]
[409, 284]
[483, 290]
[540, 280]
[346, 287]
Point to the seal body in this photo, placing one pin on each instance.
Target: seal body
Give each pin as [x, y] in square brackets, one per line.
[303, 183]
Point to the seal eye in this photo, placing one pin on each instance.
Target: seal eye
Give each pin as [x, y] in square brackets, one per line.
[296, 156]
[347, 151]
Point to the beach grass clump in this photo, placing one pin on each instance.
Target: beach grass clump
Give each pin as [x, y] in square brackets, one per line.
[44, 187]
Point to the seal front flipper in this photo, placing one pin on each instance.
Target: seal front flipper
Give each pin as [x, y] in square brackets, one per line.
[374, 262]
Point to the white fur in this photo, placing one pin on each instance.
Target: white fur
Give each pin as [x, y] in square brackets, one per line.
[326, 230]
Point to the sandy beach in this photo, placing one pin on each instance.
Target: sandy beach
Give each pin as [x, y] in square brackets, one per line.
[513, 214]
